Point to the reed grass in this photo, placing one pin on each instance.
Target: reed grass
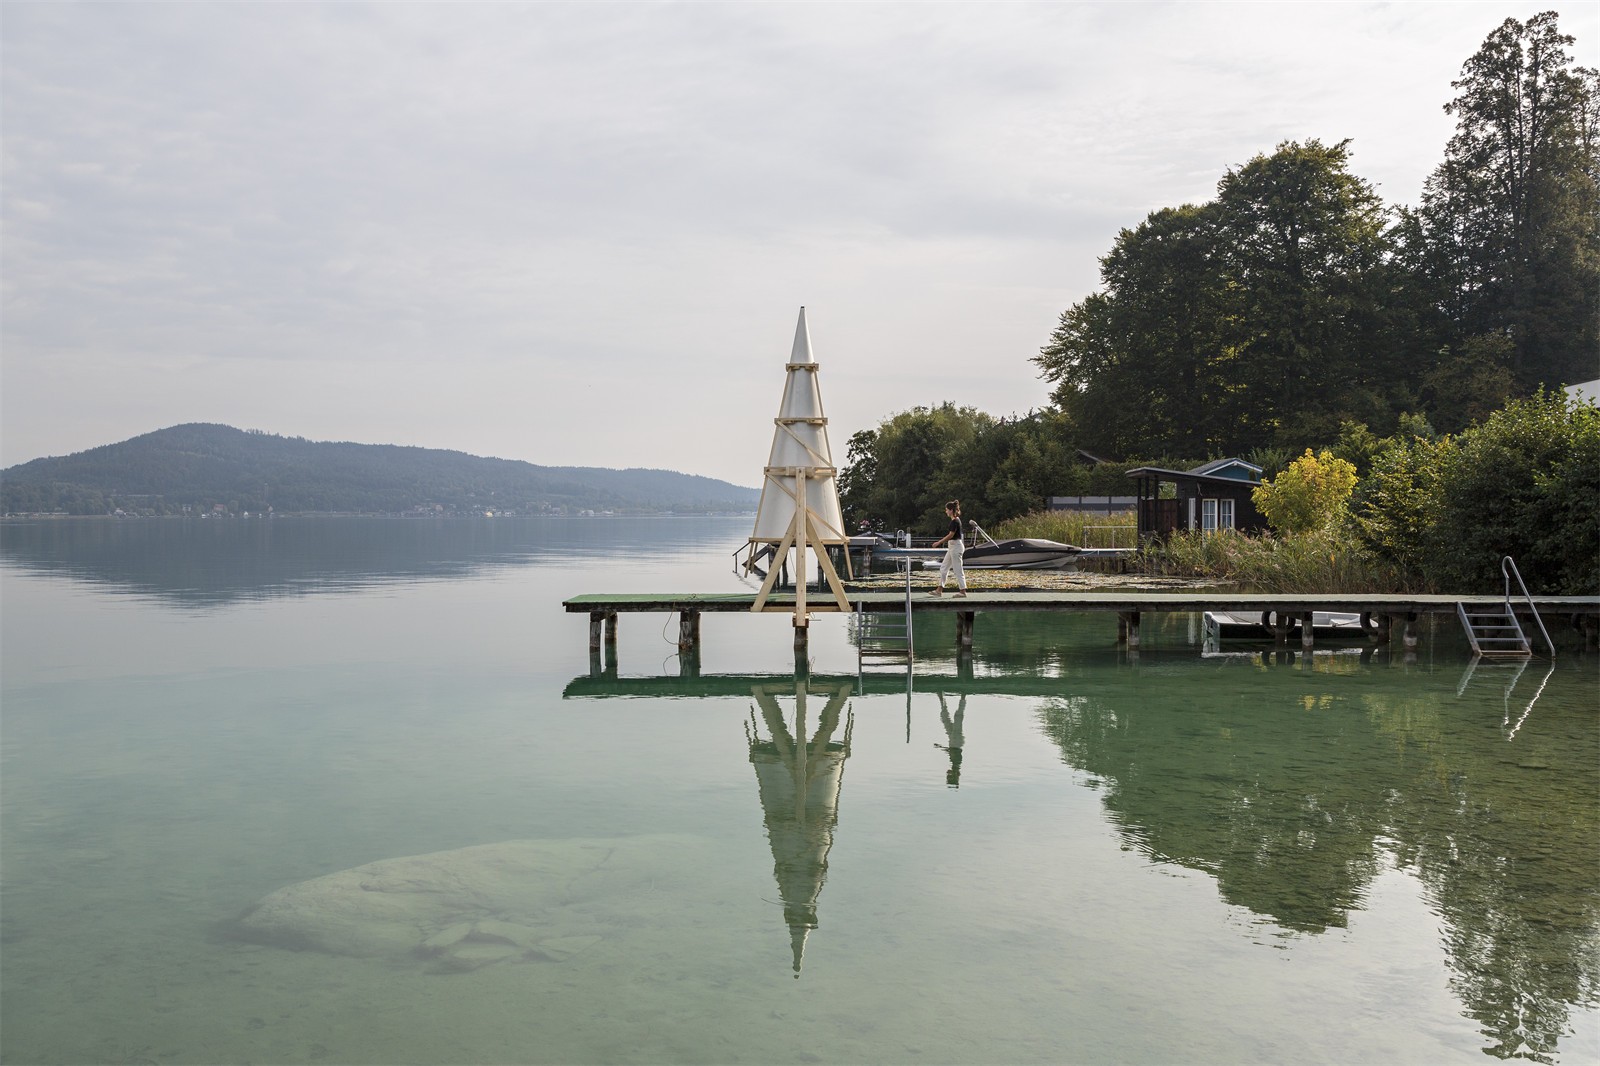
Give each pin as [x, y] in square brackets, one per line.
[1328, 560]
[1320, 561]
[1085, 529]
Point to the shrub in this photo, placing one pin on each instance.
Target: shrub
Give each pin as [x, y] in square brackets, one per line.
[1310, 493]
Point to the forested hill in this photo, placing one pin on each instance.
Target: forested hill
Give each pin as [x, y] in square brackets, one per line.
[198, 468]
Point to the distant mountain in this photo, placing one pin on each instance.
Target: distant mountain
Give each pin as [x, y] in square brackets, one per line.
[202, 468]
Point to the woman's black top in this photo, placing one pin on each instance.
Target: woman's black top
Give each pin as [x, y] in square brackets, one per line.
[955, 529]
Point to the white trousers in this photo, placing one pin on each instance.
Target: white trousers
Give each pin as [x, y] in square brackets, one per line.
[952, 561]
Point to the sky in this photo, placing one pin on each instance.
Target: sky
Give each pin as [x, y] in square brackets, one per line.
[580, 234]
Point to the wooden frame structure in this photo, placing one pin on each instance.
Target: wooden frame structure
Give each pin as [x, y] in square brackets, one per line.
[799, 507]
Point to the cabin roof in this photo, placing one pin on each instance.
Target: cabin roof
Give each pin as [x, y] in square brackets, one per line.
[1212, 480]
[1203, 475]
[1235, 468]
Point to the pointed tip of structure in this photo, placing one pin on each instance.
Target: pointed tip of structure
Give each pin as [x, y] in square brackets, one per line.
[802, 341]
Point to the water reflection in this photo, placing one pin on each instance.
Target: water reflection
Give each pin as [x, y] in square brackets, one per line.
[1293, 798]
[955, 737]
[211, 562]
[799, 778]
[1293, 785]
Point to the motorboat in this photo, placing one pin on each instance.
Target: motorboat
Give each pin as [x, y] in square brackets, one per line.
[1017, 553]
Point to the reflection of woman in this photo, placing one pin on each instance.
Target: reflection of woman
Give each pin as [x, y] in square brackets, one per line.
[952, 733]
[952, 554]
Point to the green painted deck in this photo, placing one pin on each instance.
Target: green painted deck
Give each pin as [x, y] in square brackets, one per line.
[1379, 611]
[1051, 600]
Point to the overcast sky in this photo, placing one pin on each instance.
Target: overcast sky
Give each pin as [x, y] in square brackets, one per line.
[581, 233]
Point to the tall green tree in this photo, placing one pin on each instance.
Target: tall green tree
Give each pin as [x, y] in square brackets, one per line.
[1256, 319]
[1304, 240]
[1139, 366]
[1514, 208]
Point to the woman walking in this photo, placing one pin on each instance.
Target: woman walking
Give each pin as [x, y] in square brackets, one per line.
[952, 554]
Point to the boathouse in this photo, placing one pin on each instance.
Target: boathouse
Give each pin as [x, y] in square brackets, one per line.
[1213, 496]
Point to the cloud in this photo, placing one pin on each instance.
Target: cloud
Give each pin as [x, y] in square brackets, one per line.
[576, 233]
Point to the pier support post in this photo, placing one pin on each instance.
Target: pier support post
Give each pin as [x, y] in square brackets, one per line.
[1305, 630]
[596, 624]
[1128, 629]
[1376, 627]
[611, 628]
[1409, 637]
[964, 628]
[688, 630]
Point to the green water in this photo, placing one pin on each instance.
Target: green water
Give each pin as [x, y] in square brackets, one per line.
[1048, 851]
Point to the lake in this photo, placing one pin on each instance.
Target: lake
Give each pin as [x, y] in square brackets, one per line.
[353, 791]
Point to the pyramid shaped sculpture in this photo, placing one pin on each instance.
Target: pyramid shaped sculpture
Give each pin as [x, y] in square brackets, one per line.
[800, 778]
[799, 505]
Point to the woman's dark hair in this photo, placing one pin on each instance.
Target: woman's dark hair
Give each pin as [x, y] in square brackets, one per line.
[953, 505]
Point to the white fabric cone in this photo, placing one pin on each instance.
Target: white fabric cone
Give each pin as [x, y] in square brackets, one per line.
[800, 442]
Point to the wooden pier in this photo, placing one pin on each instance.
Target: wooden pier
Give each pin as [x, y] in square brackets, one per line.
[1381, 614]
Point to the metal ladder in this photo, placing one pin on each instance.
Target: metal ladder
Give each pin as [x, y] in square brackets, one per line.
[1497, 633]
[882, 637]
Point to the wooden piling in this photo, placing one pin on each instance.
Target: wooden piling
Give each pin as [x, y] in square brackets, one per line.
[688, 630]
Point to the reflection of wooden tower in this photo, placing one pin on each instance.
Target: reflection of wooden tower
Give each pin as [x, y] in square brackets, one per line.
[800, 781]
[799, 505]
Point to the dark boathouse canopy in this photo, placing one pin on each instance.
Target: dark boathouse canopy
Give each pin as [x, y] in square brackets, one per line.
[1210, 497]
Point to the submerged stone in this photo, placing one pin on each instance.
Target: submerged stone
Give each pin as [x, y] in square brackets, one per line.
[457, 911]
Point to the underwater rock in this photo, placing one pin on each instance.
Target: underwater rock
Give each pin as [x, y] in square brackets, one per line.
[457, 911]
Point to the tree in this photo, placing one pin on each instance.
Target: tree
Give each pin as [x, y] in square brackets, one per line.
[1524, 483]
[1514, 209]
[1303, 240]
[1137, 365]
[1257, 319]
[1396, 506]
[1309, 495]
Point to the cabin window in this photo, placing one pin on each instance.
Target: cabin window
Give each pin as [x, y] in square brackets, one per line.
[1215, 515]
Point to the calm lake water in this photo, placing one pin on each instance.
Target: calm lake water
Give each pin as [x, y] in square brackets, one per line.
[347, 791]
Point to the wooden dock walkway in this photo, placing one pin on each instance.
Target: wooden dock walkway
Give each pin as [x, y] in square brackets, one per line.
[1380, 613]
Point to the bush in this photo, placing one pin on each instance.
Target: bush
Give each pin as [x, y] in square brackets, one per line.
[1310, 493]
[1525, 483]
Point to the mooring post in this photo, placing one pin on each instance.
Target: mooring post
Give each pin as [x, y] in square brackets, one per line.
[964, 628]
[1305, 630]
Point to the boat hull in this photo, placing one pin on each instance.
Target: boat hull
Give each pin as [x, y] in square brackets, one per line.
[1325, 625]
[1022, 553]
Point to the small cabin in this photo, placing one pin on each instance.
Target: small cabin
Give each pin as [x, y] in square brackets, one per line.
[1213, 496]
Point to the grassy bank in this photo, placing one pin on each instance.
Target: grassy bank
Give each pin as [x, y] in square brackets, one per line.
[1323, 561]
[1084, 529]
[1303, 562]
